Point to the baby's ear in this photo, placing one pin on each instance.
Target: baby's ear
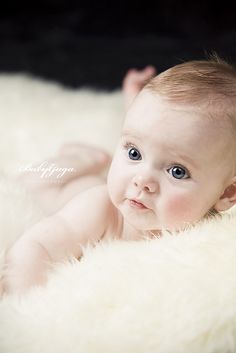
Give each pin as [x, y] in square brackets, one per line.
[228, 199]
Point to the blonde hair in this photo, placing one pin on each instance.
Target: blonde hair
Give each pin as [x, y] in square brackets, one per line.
[195, 81]
[209, 83]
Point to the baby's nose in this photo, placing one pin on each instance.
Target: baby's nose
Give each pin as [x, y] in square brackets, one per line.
[145, 183]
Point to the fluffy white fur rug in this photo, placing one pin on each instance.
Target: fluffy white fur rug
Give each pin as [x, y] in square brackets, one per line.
[176, 294]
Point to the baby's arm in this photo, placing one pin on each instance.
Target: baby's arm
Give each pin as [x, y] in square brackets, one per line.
[85, 218]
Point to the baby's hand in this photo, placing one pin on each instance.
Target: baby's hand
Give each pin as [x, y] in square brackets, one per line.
[26, 265]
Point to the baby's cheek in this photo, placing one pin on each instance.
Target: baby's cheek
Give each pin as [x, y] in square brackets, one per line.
[115, 184]
[179, 209]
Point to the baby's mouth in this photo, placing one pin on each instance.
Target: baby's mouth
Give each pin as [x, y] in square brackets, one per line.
[137, 204]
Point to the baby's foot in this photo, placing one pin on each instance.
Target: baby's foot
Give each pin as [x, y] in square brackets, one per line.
[85, 159]
[90, 159]
[134, 81]
[73, 160]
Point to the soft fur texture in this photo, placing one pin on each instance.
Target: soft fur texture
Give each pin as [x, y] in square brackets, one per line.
[176, 294]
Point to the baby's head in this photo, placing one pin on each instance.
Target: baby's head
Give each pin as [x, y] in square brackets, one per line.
[175, 163]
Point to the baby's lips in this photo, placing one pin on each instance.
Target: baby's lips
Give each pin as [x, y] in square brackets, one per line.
[137, 203]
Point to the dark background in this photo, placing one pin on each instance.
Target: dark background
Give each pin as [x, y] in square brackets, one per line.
[93, 43]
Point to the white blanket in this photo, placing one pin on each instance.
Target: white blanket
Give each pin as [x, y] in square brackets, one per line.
[176, 294]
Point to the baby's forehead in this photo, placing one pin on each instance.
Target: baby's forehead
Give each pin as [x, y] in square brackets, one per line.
[151, 107]
[162, 123]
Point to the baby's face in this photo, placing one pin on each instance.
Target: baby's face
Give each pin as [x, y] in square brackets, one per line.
[170, 167]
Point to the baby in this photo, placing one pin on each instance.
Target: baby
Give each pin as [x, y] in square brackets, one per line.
[174, 165]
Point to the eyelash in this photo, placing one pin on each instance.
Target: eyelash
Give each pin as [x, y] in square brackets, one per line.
[129, 145]
[181, 167]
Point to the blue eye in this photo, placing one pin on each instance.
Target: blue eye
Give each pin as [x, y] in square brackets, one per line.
[134, 154]
[178, 172]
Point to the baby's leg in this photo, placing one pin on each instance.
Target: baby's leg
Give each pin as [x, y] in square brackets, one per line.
[134, 81]
[54, 182]
[73, 160]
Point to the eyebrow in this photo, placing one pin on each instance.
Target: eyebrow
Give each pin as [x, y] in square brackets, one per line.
[128, 134]
[187, 159]
[181, 156]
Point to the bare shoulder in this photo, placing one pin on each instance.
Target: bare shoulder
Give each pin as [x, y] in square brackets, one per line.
[96, 198]
[90, 213]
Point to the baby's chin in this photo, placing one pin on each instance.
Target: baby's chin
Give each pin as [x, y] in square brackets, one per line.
[141, 223]
[156, 228]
